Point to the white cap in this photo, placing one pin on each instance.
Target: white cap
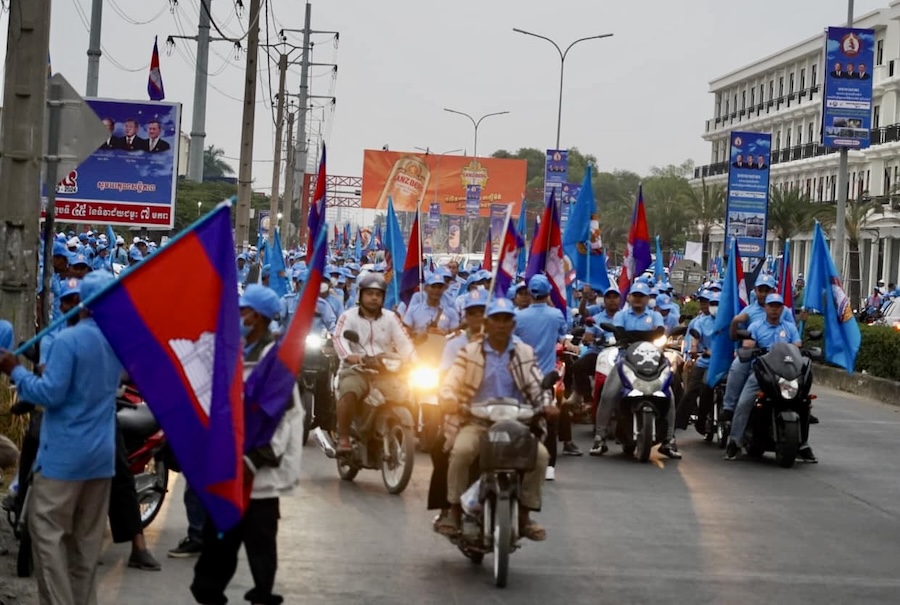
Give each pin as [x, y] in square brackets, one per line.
[120, 240]
[74, 241]
[102, 237]
[135, 240]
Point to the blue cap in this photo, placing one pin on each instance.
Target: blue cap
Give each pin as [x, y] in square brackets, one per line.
[6, 335]
[302, 275]
[59, 249]
[765, 280]
[706, 295]
[61, 237]
[539, 285]
[79, 259]
[654, 291]
[101, 247]
[266, 271]
[664, 303]
[341, 280]
[640, 288]
[83, 237]
[135, 254]
[476, 298]
[94, 282]
[72, 285]
[434, 280]
[774, 299]
[714, 297]
[353, 267]
[500, 305]
[261, 299]
[242, 256]
[612, 290]
[715, 286]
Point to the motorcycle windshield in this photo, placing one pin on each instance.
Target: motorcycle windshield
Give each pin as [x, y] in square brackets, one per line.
[645, 359]
[784, 360]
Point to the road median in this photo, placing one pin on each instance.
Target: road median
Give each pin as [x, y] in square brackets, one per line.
[864, 385]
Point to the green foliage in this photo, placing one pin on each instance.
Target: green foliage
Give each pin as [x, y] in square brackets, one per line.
[879, 353]
[210, 193]
[690, 309]
[792, 212]
[214, 164]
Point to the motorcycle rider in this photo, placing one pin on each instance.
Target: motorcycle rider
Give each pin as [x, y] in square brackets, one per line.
[695, 385]
[431, 313]
[637, 317]
[596, 338]
[499, 366]
[379, 332]
[763, 334]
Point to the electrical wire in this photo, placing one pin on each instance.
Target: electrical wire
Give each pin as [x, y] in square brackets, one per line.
[118, 10]
[105, 54]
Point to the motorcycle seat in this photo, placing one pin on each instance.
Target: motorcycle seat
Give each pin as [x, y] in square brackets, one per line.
[138, 422]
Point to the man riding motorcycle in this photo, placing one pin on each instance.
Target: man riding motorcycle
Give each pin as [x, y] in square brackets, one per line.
[379, 332]
[763, 334]
[498, 366]
[705, 325]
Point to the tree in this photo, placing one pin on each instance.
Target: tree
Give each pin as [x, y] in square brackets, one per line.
[213, 163]
[664, 200]
[705, 206]
[792, 212]
[856, 225]
[189, 193]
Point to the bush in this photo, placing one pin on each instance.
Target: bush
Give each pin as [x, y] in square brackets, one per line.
[879, 353]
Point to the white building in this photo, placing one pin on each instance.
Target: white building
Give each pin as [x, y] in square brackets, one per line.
[184, 147]
[782, 94]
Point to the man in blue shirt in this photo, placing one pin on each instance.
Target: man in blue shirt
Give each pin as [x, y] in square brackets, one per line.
[69, 496]
[695, 385]
[636, 318]
[541, 327]
[596, 339]
[763, 334]
[669, 312]
[431, 313]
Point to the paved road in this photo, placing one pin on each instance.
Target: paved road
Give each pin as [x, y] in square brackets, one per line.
[701, 530]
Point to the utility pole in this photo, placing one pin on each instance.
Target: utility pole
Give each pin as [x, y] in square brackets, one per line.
[289, 182]
[301, 149]
[94, 51]
[840, 230]
[279, 128]
[198, 119]
[21, 159]
[245, 170]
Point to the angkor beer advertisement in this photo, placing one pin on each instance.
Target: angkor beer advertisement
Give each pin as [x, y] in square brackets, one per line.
[409, 177]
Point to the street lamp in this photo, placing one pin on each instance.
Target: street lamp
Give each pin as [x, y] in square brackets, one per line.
[562, 65]
[476, 123]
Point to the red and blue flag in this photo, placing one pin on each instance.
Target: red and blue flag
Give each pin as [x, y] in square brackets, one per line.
[546, 255]
[508, 262]
[487, 262]
[317, 211]
[786, 278]
[412, 269]
[637, 254]
[173, 323]
[155, 88]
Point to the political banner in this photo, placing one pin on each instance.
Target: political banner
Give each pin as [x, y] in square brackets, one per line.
[434, 214]
[748, 192]
[498, 222]
[454, 235]
[473, 201]
[568, 197]
[130, 179]
[849, 63]
[262, 226]
[408, 177]
[556, 171]
[428, 239]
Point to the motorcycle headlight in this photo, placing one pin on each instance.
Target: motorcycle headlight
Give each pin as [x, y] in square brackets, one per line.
[424, 378]
[661, 341]
[313, 341]
[788, 388]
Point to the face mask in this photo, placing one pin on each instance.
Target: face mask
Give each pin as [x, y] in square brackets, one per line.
[713, 310]
[245, 329]
[323, 288]
[334, 281]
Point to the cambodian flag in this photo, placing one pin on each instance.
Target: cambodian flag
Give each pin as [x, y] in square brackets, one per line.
[154, 80]
[317, 210]
[520, 228]
[637, 254]
[173, 323]
[507, 264]
[487, 262]
[786, 278]
[412, 270]
[268, 389]
[357, 247]
[546, 255]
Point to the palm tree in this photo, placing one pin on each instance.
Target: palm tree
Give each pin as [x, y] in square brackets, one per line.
[213, 164]
[792, 212]
[856, 226]
[705, 206]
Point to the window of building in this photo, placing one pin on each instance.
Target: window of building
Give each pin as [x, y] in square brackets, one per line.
[788, 139]
[820, 188]
[799, 135]
[778, 140]
[879, 53]
[752, 97]
[876, 117]
[812, 74]
[810, 132]
[718, 105]
[809, 187]
[771, 89]
[781, 86]
[761, 89]
[791, 83]
[715, 152]
[726, 107]
[743, 100]
[735, 102]
[803, 78]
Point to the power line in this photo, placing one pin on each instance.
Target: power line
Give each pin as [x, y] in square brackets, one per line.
[106, 54]
[128, 19]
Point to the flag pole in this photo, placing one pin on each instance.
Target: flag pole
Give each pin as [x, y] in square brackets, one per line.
[225, 204]
[496, 266]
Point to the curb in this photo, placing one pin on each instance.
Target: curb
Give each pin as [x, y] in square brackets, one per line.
[873, 387]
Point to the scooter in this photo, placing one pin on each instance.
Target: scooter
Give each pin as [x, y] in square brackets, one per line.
[383, 435]
[315, 384]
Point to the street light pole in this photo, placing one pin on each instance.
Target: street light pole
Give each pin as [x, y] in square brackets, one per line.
[476, 123]
[840, 231]
[562, 66]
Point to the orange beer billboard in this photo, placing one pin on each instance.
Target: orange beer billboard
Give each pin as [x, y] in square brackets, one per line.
[409, 177]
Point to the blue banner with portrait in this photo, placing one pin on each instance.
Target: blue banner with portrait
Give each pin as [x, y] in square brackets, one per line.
[130, 179]
[262, 226]
[434, 214]
[473, 201]
[748, 192]
[568, 197]
[847, 111]
[556, 172]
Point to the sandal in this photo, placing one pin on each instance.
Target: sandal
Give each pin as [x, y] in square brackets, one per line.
[533, 531]
[446, 527]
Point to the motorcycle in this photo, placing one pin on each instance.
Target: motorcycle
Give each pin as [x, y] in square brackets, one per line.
[315, 384]
[785, 380]
[490, 524]
[424, 380]
[717, 430]
[646, 379]
[383, 435]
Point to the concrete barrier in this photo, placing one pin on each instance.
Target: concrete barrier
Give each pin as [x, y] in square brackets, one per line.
[864, 385]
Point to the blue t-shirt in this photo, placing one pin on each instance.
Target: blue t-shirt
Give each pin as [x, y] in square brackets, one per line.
[706, 325]
[541, 326]
[766, 334]
[630, 321]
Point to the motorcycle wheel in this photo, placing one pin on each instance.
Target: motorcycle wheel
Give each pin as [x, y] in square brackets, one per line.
[346, 469]
[502, 541]
[152, 496]
[645, 436]
[24, 562]
[398, 458]
[308, 402]
[788, 444]
[711, 434]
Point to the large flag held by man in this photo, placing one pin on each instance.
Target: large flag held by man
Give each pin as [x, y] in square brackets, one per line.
[316, 217]
[825, 293]
[637, 254]
[732, 301]
[507, 264]
[546, 255]
[173, 323]
[521, 226]
[581, 239]
[412, 267]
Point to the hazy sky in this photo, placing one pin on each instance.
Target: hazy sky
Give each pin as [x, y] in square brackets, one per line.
[635, 100]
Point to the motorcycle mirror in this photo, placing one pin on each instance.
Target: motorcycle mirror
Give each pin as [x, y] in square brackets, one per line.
[743, 334]
[352, 336]
[678, 331]
[815, 353]
[549, 380]
[814, 334]
[607, 327]
[694, 333]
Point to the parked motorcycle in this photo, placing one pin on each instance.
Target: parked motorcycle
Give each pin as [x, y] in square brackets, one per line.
[383, 435]
[646, 382]
[490, 522]
[785, 380]
[315, 379]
